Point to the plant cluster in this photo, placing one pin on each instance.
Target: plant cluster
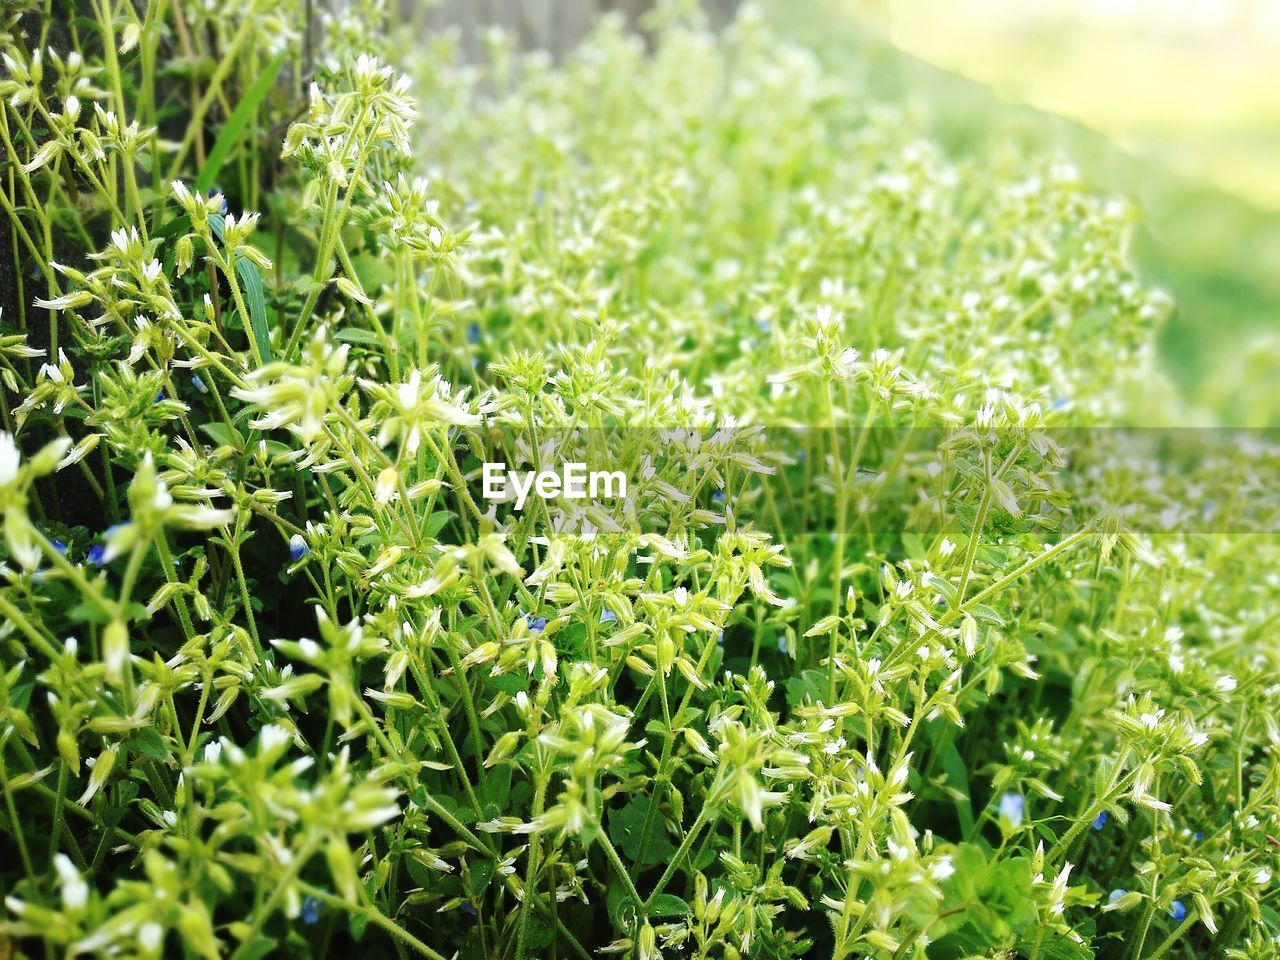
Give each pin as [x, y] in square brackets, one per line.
[274, 678]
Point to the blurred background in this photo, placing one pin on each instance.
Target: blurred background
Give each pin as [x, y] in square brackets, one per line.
[1174, 104]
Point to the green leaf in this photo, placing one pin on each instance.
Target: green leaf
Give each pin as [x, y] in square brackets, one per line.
[622, 907]
[223, 435]
[481, 872]
[437, 520]
[495, 791]
[540, 935]
[960, 945]
[149, 744]
[358, 335]
[668, 905]
[356, 925]
[958, 778]
[1054, 947]
[254, 295]
[176, 227]
[626, 824]
[230, 133]
[256, 303]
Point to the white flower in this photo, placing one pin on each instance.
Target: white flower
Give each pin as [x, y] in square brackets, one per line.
[388, 480]
[150, 936]
[68, 301]
[9, 459]
[273, 736]
[75, 892]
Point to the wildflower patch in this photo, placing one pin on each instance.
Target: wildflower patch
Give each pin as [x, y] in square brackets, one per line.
[829, 612]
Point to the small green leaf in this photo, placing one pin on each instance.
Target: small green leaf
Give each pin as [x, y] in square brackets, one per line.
[668, 905]
[149, 744]
[176, 227]
[436, 522]
[358, 335]
[481, 872]
[223, 435]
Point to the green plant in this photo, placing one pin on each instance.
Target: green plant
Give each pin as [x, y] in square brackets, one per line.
[307, 687]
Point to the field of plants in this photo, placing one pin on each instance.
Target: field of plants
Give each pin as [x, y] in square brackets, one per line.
[904, 644]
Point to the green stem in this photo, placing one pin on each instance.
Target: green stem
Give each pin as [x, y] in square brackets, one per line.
[374, 916]
[1173, 938]
[280, 889]
[679, 855]
[603, 839]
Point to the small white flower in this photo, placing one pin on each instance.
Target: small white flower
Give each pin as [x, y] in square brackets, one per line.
[150, 936]
[385, 492]
[75, 892]
[272, 736]
[10, 457]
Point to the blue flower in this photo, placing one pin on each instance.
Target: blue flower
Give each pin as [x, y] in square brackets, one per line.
[1012, 807]
[1100, 820]
[1060, 404]
[608, 616]
[782, 644]
[1178, 910]
[720, 638]
[310, 911]
[298, 547]
[98, 554]
[160, 397]
[468, 908]
[473, 333]
[1116, 894]
[1197, 836]
[60, 547]
[536, 624]
[198, 383]
[717, 497]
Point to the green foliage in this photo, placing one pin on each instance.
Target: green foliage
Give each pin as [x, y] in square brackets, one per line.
[276, 678]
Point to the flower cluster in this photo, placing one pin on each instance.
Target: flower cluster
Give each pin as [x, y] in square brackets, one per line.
[275, 677]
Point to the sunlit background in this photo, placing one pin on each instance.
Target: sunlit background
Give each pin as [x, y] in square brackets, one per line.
[1175, 103]
[1191, 83]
